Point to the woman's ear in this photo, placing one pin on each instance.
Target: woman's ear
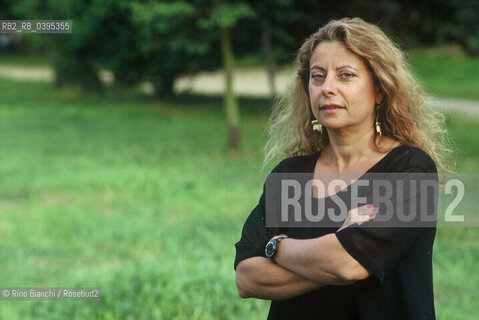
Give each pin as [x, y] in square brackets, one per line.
[379, 97]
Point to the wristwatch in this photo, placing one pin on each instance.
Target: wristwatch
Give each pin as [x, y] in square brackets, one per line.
[271, 247]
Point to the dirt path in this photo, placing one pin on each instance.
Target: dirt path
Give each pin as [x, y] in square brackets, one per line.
[26, 73]
[451, 105]
[247, 81]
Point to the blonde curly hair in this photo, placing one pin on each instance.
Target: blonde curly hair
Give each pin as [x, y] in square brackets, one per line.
[404, 114]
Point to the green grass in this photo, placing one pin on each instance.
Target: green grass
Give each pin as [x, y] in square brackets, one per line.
[22, 60]
[141, 199]
[138, 198]
[447, 75]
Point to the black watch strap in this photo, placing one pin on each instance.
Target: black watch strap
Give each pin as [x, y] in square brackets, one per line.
[272, 247]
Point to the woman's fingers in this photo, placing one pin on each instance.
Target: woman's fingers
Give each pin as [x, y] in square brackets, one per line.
[363, 214]
[360, 215]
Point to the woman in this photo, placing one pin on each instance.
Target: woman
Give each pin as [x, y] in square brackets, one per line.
[355, 108]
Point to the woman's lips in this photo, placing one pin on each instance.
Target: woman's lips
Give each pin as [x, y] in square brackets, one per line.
[330, 108]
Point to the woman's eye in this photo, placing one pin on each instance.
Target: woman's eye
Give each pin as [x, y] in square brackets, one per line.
[317, 76]
[347, 75]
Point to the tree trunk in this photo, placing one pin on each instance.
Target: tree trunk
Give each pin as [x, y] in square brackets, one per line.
[72, 70]
[230, 101]
[163, 86]
[90, 81]
[402, 29]
[268, 55]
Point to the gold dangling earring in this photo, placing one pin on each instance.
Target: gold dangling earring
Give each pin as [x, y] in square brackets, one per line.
[378, 128]
[317, 126]
[378, 125]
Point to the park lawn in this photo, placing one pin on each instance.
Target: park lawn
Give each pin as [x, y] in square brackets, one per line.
[141, 199]
[23, 60]
[447, 76]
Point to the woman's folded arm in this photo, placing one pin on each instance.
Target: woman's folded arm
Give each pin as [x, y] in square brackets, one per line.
[259, 277]
[313, 258]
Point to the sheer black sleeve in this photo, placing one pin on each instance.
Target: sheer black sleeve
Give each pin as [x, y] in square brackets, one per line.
[380, 249]
[254, 235]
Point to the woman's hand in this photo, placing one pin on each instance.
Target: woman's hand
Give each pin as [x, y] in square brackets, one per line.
[359, 215]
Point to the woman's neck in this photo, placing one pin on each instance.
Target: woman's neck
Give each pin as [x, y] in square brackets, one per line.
[346, 150]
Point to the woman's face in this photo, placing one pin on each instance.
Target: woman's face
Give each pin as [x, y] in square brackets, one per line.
[341, 89]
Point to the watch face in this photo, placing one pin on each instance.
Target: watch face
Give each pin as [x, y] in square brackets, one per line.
[269, 249]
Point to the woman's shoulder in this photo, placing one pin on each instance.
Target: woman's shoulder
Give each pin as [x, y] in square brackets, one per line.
[297, 164]
[405, 157]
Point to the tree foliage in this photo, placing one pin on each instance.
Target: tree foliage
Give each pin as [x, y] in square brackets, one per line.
[162, 40]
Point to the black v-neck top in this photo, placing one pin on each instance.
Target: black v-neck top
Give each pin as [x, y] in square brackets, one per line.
[399, 259]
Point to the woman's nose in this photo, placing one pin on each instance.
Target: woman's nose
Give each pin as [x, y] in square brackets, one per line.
[329, 85]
